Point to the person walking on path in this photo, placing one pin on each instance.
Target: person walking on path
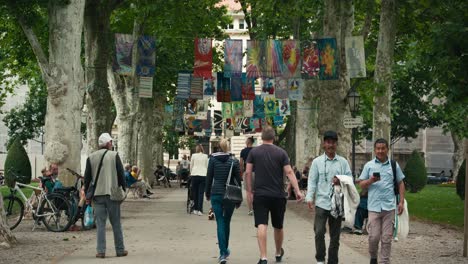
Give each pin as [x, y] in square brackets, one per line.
[271, 163]
[220, 165]
[198, 169]
[105, 165]
[243, 158]
[378, 177]
[319, 197]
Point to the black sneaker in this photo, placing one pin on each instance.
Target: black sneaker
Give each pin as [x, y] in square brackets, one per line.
[280, 257]
[262, 261]
[373, 261]
[149, 193]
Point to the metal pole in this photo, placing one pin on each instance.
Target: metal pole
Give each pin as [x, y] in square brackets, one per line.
[353, 164]
[465, 237]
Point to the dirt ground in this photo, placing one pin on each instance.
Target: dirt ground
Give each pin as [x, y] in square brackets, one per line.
[426, 243]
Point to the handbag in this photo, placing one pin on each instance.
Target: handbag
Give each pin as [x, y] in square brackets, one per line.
[89, 216]
[92, 186]
[118, 194]
[233, 193]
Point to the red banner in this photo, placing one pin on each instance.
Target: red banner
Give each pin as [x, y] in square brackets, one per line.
[203, 58]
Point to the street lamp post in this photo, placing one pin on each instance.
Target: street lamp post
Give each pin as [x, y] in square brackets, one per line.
[353, 101]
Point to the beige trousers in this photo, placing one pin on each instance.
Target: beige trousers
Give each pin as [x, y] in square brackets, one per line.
[381, 230]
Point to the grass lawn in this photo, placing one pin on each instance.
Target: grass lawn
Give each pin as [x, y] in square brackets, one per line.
[436, 204]
[4, 190]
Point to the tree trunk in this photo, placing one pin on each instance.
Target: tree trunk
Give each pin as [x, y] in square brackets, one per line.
[97, 54]
[458, 154]
[159, 115]
[7, 239]
[65, 87]
[145, 139]
[383, 71]
[324, 106]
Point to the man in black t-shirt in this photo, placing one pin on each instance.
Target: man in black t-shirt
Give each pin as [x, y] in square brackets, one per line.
[270, 163]
[243, 158]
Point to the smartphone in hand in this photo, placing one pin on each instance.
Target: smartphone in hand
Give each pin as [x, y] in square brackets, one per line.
[376, 175]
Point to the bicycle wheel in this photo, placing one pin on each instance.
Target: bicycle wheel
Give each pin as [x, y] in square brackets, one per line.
[56, 213]
[14, 210]
[83, 226]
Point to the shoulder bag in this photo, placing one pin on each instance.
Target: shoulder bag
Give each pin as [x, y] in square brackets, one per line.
[92, 186]
[233, 193]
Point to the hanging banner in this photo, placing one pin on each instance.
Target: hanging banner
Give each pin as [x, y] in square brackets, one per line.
[146, 56]
[329, 59]
[223, 88]
[236, 89]
[238, 109]
[256, 58]
[191, 107]
[196, 88]
[270, 105]
[203, 58]
[310, 60]
[248, 88]
[278, 120]
[179, 115]
[183, 85]
[123, 54]
[274, 58]
[296, 89]
[208, 88]
[227, 110]
[248, 108]
[284, 107]
[218, 122]
[259, 107]
[355, 57]
[206, 124]
[145, 87]
[233, 58]
[281, 88]
[202, 110]
[268, 86]
[291, 59]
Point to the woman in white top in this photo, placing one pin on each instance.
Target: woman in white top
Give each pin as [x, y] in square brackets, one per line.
[198, 169]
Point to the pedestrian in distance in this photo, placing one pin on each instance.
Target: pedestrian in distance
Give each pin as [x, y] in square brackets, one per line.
[220, 165]
[105, 166]
[243, 158]
[267, 192]
[384, 180]
[198, 169]
[320, 187]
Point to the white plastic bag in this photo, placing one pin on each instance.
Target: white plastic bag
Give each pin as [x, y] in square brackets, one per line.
[89, 216]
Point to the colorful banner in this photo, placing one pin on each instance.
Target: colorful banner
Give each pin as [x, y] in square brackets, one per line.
[179, 109]
[296, 89]
[146, 56]
[291, 59]
[238, 109]
[259, 107]
[196, 88]
[218, 122]
[248, 87]
[284, 107]
[223, 88]
[310, 60]
[123, 54]
[208, 88]
[145, 87]
[248, 108]
[355, 57]
[236, 89]
[278, 120]
[274, 58]
[268, 86]
[191, 107]
[256, 58]
[233, 58]
[227, 110]
[282, 89]
[202, 110]
[183, 85]
[203, 58]
[329, 59]
[270, 105]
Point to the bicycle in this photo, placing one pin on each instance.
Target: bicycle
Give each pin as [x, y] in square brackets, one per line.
[53, 210]
[73, 196]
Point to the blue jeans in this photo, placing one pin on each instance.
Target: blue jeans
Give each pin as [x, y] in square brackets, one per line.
[198, 189]
[103, 207]
[223, 212]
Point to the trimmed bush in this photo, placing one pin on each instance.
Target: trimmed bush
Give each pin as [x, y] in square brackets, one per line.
[415, 173]
[17, 163]
[461, 181]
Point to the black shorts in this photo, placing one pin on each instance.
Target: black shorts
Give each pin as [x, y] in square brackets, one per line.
[276, 206]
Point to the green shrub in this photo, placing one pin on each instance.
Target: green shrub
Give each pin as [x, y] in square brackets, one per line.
[415, 172]
[17, 163]
[461, 181]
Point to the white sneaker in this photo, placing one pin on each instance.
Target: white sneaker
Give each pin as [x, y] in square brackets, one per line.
[250, 212]
[199, 213]
[195, 212]
[320, 262]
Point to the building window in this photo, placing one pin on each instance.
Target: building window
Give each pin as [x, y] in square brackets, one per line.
[241, 24]
[231, 26]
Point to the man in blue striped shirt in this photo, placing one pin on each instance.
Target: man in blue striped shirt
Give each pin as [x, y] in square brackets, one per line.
[319, 190]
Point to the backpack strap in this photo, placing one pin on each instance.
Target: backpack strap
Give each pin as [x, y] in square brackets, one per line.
[396, 189]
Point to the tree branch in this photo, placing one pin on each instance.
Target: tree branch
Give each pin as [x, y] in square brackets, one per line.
[36, 47]
[249, 20]
[368, 21]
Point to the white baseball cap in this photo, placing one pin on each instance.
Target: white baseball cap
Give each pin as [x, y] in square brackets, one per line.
[104, 138]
